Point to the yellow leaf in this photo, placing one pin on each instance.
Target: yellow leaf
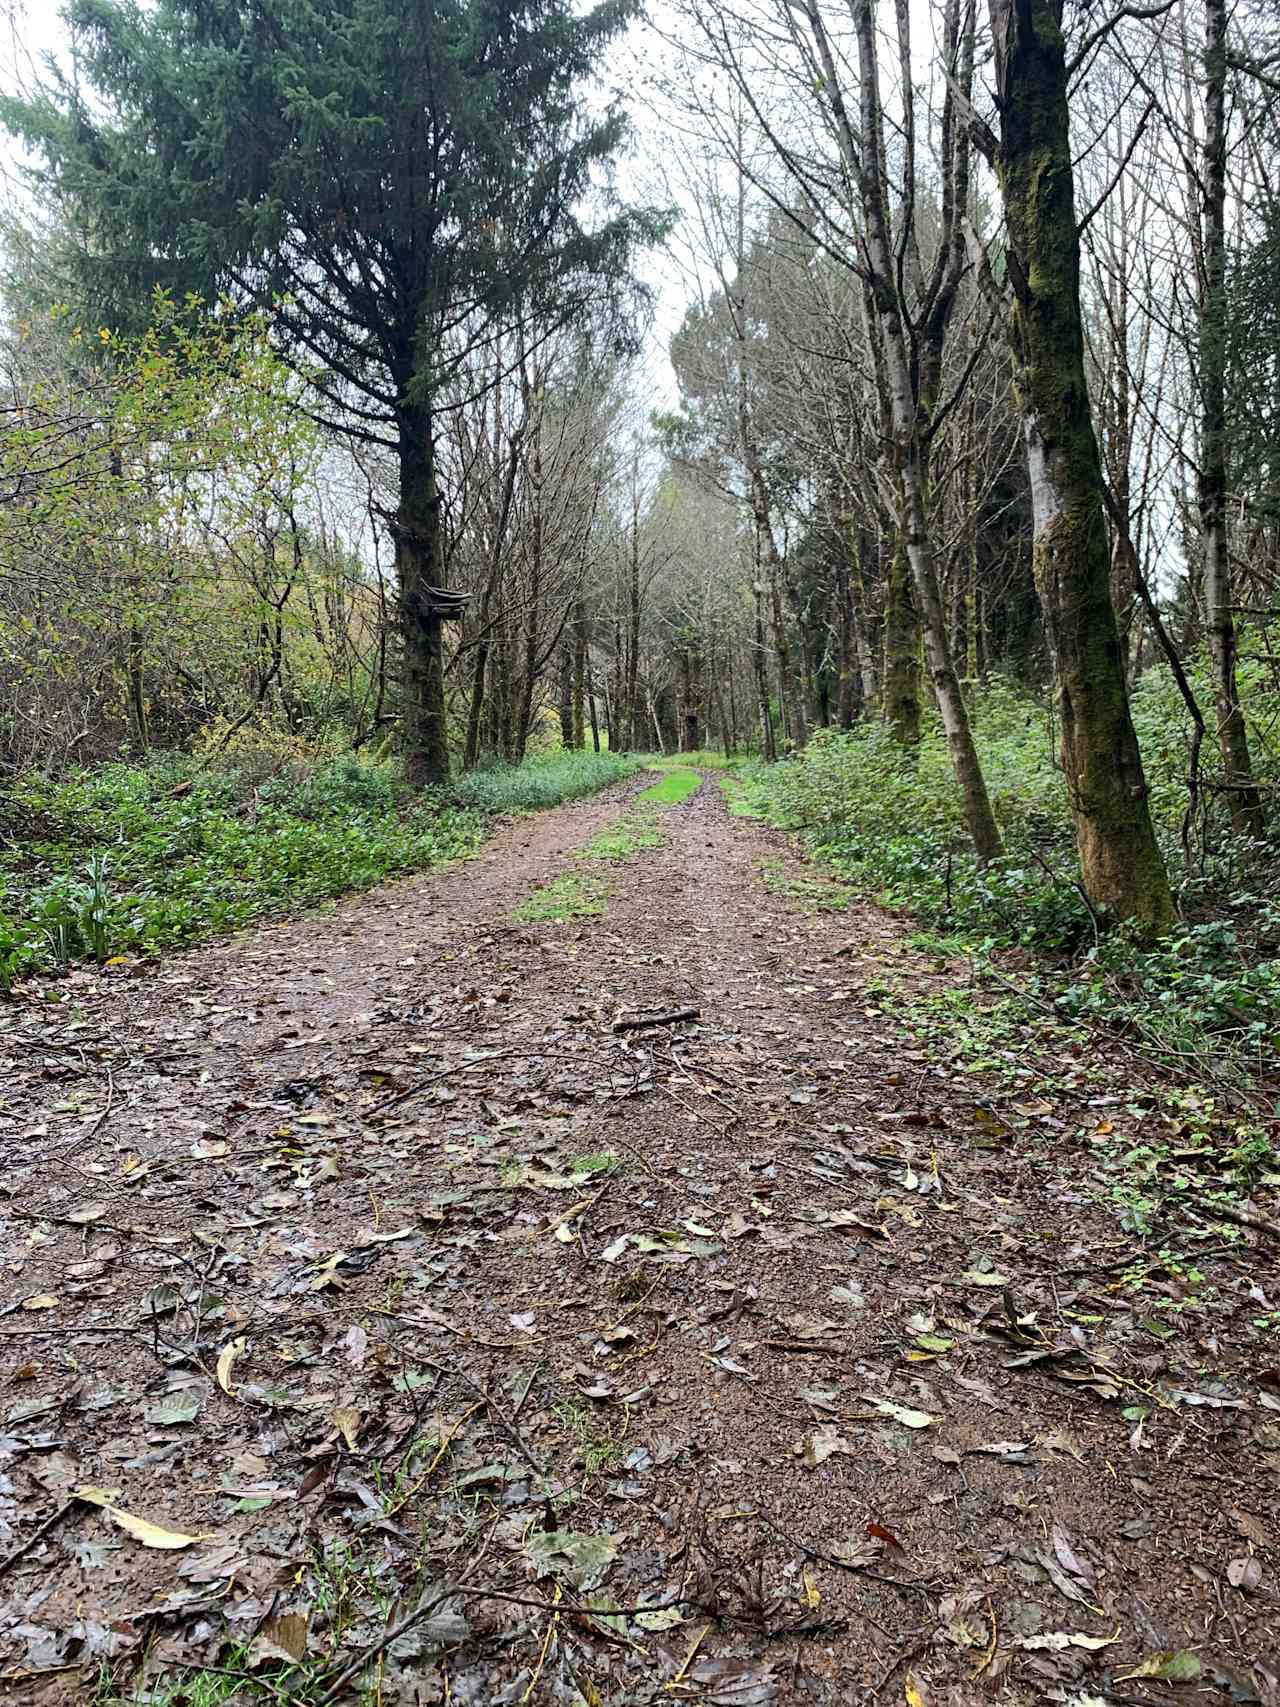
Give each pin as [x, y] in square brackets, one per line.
[915, 1695]
[40, 1301]
[346, 1419]
[812, 1593]
[226, 1358]
[141, 1528]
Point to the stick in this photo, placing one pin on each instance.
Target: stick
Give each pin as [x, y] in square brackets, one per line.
[1244, 1217]
[641, 1021]
[21, 1551]
[426, 1084]
[509, 1429]
[843, 1564]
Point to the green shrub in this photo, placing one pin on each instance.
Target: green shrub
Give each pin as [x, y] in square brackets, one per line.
[131, 859]
[542, 782]
[893, 823]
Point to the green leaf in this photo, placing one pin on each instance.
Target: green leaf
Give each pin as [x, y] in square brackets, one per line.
[1180, 1666]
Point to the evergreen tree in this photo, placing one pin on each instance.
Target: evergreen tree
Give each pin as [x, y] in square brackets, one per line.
[395, 180]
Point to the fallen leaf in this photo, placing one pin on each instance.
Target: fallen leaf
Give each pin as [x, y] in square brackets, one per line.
[281, 1638]
[1068, 1558]
[1181, 1666]
[581, 1559]
[40, 1301]
[141, 1528]
[85, 1213]
[226, 1358]
[1054, 1641]
[661, 1618]
[346, 1419]
[823, 1443]
[976, 1277]
[175, 1408]
[1244, 1573]
[886, 1535]
[900, 1413]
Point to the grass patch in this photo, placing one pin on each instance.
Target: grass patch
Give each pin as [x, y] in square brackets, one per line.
[568, 897]
[597, 1441]
[577, 895]
[623, 840]
[674, 787]
[812, 894]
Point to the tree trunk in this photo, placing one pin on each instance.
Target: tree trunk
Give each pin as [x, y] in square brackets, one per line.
[1120, 862]
[901, 650]
[1245, 801]
[420, 572]
[591, 707]
[566, 698]
[979, 817]
[768, 744]
[579, 675]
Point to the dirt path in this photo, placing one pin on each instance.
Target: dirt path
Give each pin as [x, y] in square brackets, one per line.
[774, 1329]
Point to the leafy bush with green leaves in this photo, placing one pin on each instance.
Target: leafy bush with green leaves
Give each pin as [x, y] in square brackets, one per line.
[892, 822]
[130, 859]
[543, 782]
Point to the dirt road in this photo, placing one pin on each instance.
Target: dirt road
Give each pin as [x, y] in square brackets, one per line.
[367, 1260]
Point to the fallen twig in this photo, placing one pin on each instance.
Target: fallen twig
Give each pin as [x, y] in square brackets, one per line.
[508, 1428]
[641, 1021]
[1244, 1218]
[21, 1551]
[426, 1084]
[926, 1591]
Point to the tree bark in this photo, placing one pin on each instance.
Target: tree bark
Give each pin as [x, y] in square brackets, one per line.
[1233, 739]
[901, 651]
[420, 573]
[767, 742]
[1120, 863]
[579, 674]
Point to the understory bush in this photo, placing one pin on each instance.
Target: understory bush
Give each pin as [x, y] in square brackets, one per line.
[130, 859]
[893, 823]
[544, 781]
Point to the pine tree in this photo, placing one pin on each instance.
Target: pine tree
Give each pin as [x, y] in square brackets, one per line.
[394, 180]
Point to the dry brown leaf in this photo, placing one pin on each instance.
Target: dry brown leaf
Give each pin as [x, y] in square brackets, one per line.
[346, 1419]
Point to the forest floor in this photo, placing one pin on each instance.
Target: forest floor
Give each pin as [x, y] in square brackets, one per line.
[383, 1325]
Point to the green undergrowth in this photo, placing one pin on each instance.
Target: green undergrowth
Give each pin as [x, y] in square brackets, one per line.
[572, 896]
[703, 759]
[1205, 1000]
[811, 894]
[130, 860]
[542, 782]
[673, 788]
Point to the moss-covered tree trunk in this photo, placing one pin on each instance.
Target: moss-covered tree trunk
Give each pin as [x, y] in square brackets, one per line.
[901, 702]
[1233, 739]
[1120, 862]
